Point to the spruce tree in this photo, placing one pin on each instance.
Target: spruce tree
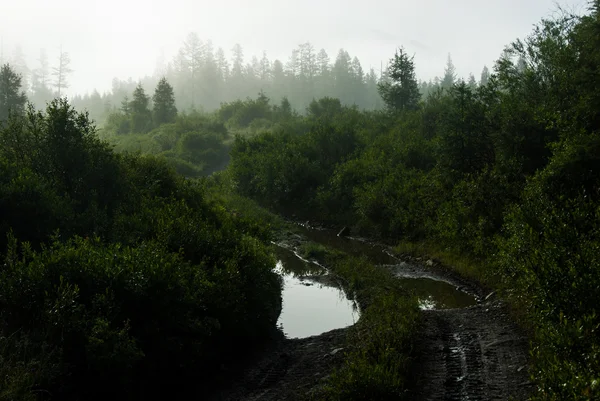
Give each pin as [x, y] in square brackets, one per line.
[400, 91]
[164, 103]
[449, 74]
[472, 82]
[12, 98]
[485, 76]
[61, 72]
[141, 117]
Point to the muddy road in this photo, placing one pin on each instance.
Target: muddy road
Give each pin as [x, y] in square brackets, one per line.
[462, 353]
[470, 354]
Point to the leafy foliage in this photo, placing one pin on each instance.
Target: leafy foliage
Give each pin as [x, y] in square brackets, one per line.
[120, 279]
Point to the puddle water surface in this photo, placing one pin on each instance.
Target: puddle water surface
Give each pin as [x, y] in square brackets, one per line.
[310, 308]
[434, 294]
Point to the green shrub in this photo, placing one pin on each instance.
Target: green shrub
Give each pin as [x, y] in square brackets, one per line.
[147, 290]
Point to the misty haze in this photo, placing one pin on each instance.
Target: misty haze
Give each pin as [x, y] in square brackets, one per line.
[113, 45]
[317, 200]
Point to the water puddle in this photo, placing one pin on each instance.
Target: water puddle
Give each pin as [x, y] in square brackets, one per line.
[374, 252]
[434, 294]
[312, 307]
[309, 307]
[432, 291]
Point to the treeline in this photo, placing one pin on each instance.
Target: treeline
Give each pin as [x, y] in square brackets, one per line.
[47, 80]
[204, 77]
[119, 279]
[194, 143]
[505, 173]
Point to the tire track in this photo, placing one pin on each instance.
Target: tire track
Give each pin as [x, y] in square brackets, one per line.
[474, 353]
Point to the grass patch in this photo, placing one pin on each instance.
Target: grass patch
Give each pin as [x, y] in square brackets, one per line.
[377, 365]
[315, 251]
[379, 345]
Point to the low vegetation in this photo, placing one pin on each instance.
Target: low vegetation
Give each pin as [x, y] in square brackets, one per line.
[119, 279]
[378, 360]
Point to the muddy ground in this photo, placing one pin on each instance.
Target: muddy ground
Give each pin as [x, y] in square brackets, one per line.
[474, 353]
[290, 370]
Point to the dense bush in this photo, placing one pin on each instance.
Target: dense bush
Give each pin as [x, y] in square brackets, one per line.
[120, 278]
[194, 144]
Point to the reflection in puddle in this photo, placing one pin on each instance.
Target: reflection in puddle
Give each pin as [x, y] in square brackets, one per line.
[375, 253]
[311, 308]
[435, 294]
[292, 263]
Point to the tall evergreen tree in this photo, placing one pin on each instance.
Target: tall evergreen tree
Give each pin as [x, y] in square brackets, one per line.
[342, 77]
[40, 82]
[308, 66]
[472, 82]
[323, 63]
[164, 110]
[485, 76]
[237, 69]
[401, 90]
[193, 50]
[222, 64]
[19, 65]
[126, 106]
[141, 117]
[265, 68]
[12, 98]
[61, 72]
[449, 74]
[293, 65]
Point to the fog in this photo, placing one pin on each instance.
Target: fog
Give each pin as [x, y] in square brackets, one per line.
[126, 38]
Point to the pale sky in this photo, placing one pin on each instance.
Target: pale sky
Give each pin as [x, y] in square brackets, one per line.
[124, 38]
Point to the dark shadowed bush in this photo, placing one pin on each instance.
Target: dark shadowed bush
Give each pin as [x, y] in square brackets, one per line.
[120, 279]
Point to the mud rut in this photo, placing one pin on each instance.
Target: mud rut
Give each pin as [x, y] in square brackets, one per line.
[474, 353]
[470, 354]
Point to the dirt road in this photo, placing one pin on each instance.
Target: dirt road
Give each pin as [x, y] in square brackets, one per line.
[473, 353]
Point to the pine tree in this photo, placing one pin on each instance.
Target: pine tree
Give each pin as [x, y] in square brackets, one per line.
[308, 67]
[61, 72]
[40, 82]
[141, 117]
[237, 69]
[472, 82]
[222, 64]
[485, 76]
[12, 98]
[265, 68]
[449, 74]
[342, 77]
[401, 90]
[164, 103]
[126, 106]
[323, 62]
[279, 79]
[292, 67]
[19, 65]
[194, 55]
